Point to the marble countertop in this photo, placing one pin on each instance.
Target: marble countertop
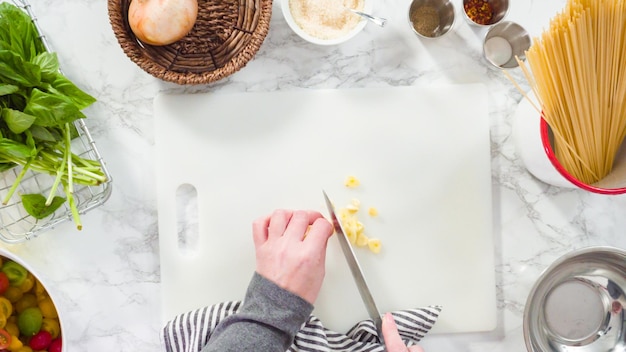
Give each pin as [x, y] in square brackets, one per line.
[107, 276]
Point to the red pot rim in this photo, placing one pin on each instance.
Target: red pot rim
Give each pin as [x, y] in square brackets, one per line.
[545, 140]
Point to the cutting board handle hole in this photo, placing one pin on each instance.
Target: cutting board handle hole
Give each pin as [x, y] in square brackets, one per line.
[187, 219]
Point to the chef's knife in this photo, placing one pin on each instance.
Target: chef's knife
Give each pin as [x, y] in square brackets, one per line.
[355, 269]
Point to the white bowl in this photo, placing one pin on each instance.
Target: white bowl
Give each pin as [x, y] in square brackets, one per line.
[41, 278]
[367, 8]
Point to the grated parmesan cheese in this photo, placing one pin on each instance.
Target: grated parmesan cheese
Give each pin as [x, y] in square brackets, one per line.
[325, 19]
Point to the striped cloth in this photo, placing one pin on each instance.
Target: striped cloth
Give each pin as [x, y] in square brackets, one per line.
[189, 332]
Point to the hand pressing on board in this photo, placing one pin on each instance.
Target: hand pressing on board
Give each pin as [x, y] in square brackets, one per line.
[290, 248]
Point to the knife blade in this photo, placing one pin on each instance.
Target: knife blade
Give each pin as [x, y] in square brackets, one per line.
[355, 269]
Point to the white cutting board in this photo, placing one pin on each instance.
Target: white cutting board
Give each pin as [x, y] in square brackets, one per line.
[422, 155]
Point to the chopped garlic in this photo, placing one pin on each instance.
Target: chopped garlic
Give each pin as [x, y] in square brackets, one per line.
[359, 227]
[351, 234]
[344, 215]
[361, 239]
[352, 182]
[352, 209]
[374, 245]
[355, 229]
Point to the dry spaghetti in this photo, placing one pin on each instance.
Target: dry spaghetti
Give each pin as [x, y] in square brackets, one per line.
[577, 69]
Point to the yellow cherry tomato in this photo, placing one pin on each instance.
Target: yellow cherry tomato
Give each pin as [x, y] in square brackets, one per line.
[28, 300]
[28, 283]
[13, 294]
[23, 349]
[15, 344]
[40, 291]
[47, 308]
[52, 326]
[6, 308]
[12, 328]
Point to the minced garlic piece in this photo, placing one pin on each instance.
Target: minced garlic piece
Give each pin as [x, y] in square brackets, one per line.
[374, 245]
[351, 233]
[344, 214]
[352, 182]
[352, 209]
[372, 211]
[361, 239]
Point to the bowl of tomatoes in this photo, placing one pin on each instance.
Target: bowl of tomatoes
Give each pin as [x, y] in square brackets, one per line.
[29, 320]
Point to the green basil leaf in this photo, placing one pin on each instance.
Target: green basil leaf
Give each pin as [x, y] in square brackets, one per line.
[16, 149]
[30, 141]
[13, 69]
[63, 86]
[18, 33]
[49, 65]
[17, 121]
[51, 110]
[6, 89]
[35, 205]
[45, 134]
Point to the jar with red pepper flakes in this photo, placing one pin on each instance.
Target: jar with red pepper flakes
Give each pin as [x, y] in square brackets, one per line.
[485, 12]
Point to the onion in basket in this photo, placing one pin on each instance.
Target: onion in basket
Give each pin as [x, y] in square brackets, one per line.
[162, 22]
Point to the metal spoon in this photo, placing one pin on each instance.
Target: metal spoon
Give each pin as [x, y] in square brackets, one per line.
[377, 20]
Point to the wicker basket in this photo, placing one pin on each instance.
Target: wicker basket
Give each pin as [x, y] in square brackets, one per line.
[226, 36]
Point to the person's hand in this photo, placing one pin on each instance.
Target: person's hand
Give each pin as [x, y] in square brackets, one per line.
[393, 342]
[291, 250]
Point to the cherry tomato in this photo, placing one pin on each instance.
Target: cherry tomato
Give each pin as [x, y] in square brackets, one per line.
[50, 325]
[5, 339]
[28, 300]
[29, 321]
[55, 345]
[12, 329]
[28, 283]
[17, 345]
[6, 308]
[40, 341]
[13, 294]
[22, 349]
[4, 282]
[15, 272]
[40, 291]
[47, 308]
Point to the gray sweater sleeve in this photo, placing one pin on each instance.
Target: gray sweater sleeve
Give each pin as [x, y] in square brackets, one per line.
[268, 320]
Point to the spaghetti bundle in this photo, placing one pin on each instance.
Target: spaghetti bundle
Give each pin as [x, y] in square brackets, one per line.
[577, 70]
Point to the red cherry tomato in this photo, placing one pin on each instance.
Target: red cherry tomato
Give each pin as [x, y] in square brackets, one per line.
[4, 282]
[5, 339]
[55, 345]
[40, 341]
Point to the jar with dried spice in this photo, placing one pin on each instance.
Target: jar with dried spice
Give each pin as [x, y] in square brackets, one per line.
[431, 18]
[485, 12]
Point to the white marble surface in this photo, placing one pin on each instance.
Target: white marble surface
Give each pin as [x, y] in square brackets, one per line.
[107, 276]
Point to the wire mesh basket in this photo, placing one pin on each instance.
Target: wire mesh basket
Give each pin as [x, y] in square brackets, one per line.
[16, 225]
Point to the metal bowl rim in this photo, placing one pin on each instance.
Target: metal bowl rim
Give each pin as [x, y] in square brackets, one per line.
[551, 269]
